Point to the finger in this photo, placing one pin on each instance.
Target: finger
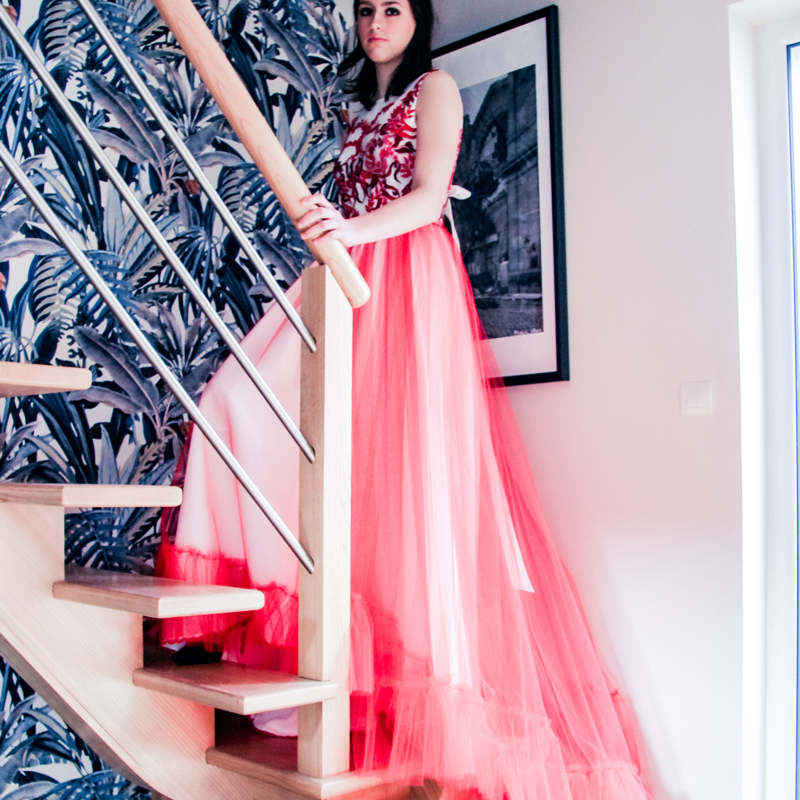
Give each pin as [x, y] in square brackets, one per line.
[309, 218]
[309, 203]
[317, 199]
[317, 214]
[322, 227]
[331, 236]
[314, 216]
[322, 200]
[306, 221]
[327, 210]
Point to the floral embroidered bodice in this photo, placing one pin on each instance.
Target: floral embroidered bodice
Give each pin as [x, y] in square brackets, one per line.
[378, 153]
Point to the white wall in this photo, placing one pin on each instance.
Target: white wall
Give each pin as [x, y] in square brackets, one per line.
[645, 503]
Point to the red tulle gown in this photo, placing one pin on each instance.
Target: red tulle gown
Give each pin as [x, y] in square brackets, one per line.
[460, 672]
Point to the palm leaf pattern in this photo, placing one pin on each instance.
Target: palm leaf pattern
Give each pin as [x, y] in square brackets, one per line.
[40, 757]
[127, 428]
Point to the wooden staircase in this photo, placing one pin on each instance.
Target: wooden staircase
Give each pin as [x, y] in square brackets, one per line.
[77, 639]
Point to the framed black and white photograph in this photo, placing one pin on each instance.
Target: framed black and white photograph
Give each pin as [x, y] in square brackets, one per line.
[511, 226]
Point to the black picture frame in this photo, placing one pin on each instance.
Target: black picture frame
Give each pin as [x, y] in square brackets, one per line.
[516, 192]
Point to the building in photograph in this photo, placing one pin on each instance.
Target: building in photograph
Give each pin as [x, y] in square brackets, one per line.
[499, 225]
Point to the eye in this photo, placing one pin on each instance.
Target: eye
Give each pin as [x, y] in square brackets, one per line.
[392, 12]
[364, 11]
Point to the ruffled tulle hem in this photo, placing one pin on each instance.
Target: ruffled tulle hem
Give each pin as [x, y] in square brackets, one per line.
[409, 731]
[610, 782]
[469, 744]
[266, 638]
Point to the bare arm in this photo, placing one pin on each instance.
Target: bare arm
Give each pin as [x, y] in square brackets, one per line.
[439, 117]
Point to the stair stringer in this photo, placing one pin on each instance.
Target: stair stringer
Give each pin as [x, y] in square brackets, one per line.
[81, 659]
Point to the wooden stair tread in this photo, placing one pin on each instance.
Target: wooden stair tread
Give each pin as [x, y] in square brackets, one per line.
[273, 760]
[234, 688]
[150, 596]
[17, 379]
[90, 495]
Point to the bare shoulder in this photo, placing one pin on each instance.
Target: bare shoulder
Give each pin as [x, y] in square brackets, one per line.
[438, 85]
[439, 93]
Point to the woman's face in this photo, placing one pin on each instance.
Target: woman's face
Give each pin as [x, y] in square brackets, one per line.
[385, 28]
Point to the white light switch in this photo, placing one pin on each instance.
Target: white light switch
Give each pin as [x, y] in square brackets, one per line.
[697, 398]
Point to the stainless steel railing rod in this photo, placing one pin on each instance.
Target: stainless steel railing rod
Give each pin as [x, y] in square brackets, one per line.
[141, 341]
[154, 233]
[183, 151]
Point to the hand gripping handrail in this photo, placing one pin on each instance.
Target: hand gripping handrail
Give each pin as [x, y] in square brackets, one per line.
[153, 232]
[141, 341]
[183, 151]
[255, 134]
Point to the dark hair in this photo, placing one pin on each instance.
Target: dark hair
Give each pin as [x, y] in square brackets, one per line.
[416, 59]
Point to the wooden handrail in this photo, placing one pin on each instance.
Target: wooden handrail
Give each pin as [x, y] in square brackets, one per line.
[323, 747]
[235, 102]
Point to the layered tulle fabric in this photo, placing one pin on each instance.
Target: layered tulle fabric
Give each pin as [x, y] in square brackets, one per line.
[472, 661]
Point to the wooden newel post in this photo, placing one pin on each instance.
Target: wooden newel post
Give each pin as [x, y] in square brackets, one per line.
[326, 420]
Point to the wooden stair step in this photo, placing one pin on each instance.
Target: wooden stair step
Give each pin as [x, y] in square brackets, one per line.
[150, 596]
[234, 688]
[90, 495]
[273, 760]
[17, 379]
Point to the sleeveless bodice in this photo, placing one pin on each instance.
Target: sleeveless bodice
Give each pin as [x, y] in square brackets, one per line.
[376, 165]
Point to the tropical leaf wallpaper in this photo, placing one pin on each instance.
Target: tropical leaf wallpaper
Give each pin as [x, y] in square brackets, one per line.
[40, 757]
[127, 428]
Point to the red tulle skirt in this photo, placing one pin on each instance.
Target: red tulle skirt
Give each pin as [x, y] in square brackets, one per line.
[472, 663]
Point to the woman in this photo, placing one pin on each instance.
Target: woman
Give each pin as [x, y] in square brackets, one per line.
[472, 663]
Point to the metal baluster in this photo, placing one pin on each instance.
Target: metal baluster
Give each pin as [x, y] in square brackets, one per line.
[158, 239]
[141, 341]
[183, 151]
